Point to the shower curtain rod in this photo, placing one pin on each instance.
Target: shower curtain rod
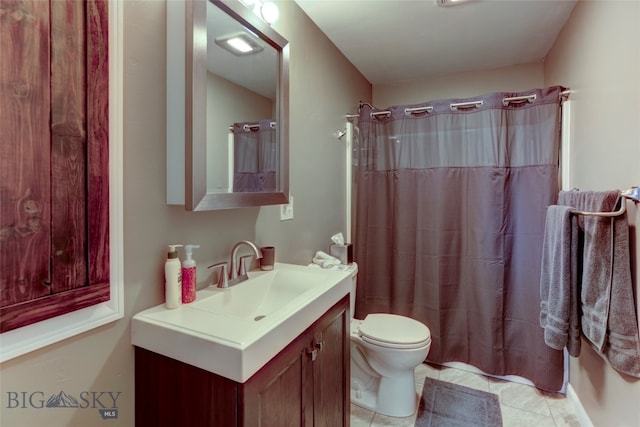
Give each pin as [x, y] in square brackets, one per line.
[408, 111]
[632, 194]
[247, 127]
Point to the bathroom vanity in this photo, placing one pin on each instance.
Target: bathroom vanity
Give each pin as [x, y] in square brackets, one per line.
[288, 368]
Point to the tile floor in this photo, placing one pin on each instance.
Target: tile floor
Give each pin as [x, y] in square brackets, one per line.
[521, 405]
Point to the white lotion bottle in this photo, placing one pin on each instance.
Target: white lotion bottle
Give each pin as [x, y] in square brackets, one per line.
[173, 278]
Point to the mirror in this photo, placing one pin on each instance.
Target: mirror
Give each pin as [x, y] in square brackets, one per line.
[234, 138]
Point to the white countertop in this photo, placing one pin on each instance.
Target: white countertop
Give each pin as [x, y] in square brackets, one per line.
[232, 346]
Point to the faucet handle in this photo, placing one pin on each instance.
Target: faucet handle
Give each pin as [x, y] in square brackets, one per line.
[243, 265]
[223, 278]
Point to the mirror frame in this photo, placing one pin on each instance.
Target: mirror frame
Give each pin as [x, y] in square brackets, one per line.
[196, 196]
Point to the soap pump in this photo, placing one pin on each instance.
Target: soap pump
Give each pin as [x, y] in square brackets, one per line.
[189, 275]
[173, 278]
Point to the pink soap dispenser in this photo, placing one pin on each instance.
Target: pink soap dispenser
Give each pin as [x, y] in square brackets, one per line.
[189, 275]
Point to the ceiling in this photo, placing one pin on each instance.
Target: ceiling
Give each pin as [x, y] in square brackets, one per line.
[391, 41]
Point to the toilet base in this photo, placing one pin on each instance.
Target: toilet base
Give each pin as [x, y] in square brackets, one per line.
[364, 398]
[394, 397]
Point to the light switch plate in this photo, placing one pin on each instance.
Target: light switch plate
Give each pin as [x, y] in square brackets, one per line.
[286, 211]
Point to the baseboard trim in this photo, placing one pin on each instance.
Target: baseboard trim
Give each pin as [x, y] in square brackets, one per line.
[583, 418]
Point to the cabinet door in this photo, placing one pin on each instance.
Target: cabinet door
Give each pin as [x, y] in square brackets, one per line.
[274, 396]
[331, 369]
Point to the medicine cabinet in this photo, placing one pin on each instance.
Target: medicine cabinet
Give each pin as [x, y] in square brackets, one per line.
[227, 112]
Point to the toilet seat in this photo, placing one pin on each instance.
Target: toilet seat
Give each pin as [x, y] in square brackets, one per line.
[393, 331]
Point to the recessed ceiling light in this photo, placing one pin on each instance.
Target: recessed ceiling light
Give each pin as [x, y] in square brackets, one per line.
[239, 43]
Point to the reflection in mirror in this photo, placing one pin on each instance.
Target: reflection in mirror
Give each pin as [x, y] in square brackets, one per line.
[255, 156]
[227, 124]
[241, 89]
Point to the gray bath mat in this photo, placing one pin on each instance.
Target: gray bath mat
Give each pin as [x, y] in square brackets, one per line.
[450, 405]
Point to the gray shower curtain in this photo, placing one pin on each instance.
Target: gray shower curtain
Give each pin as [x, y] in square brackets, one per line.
[255, 156]
[450, 217]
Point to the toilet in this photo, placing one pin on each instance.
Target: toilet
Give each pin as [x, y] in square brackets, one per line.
[385, 351]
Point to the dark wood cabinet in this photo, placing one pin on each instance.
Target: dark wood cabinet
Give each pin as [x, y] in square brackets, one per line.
[331, 375]
[306, 384]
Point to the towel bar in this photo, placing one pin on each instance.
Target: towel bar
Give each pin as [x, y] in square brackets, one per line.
[632, 194]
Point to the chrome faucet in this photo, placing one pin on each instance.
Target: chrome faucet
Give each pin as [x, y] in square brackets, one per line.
[237, 267]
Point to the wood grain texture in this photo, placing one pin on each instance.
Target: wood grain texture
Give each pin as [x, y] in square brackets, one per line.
[68, 145]
[329, 372]
[54, 158]
[28, 312]
[98, 139]
[24, 152]
[169, 393]
[273, 395]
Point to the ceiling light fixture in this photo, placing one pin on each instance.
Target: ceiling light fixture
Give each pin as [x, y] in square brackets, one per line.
[266, 10]
[239, 43]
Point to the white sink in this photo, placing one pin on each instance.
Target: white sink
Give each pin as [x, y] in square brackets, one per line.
[233, 332]
[262, 295]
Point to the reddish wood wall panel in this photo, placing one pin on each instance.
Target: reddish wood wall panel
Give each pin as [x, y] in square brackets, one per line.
[98, 140]
[24, 150]
[68, 145]
[54, 159]
[28, 312]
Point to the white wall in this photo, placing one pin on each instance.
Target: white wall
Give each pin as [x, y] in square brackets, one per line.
[597, 55]
[324, 86]
[461, 85]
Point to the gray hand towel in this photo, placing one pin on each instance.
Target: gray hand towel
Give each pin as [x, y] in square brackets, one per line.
[559, 302]
[609, 320]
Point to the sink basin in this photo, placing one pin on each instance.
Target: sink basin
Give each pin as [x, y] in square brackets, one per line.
[262, 295]
[233, 332]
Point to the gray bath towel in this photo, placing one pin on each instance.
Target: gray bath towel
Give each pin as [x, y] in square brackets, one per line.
[609, 320]
[559, 302]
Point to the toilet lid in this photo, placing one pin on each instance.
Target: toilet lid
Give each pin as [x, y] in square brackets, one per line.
[391, 330]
